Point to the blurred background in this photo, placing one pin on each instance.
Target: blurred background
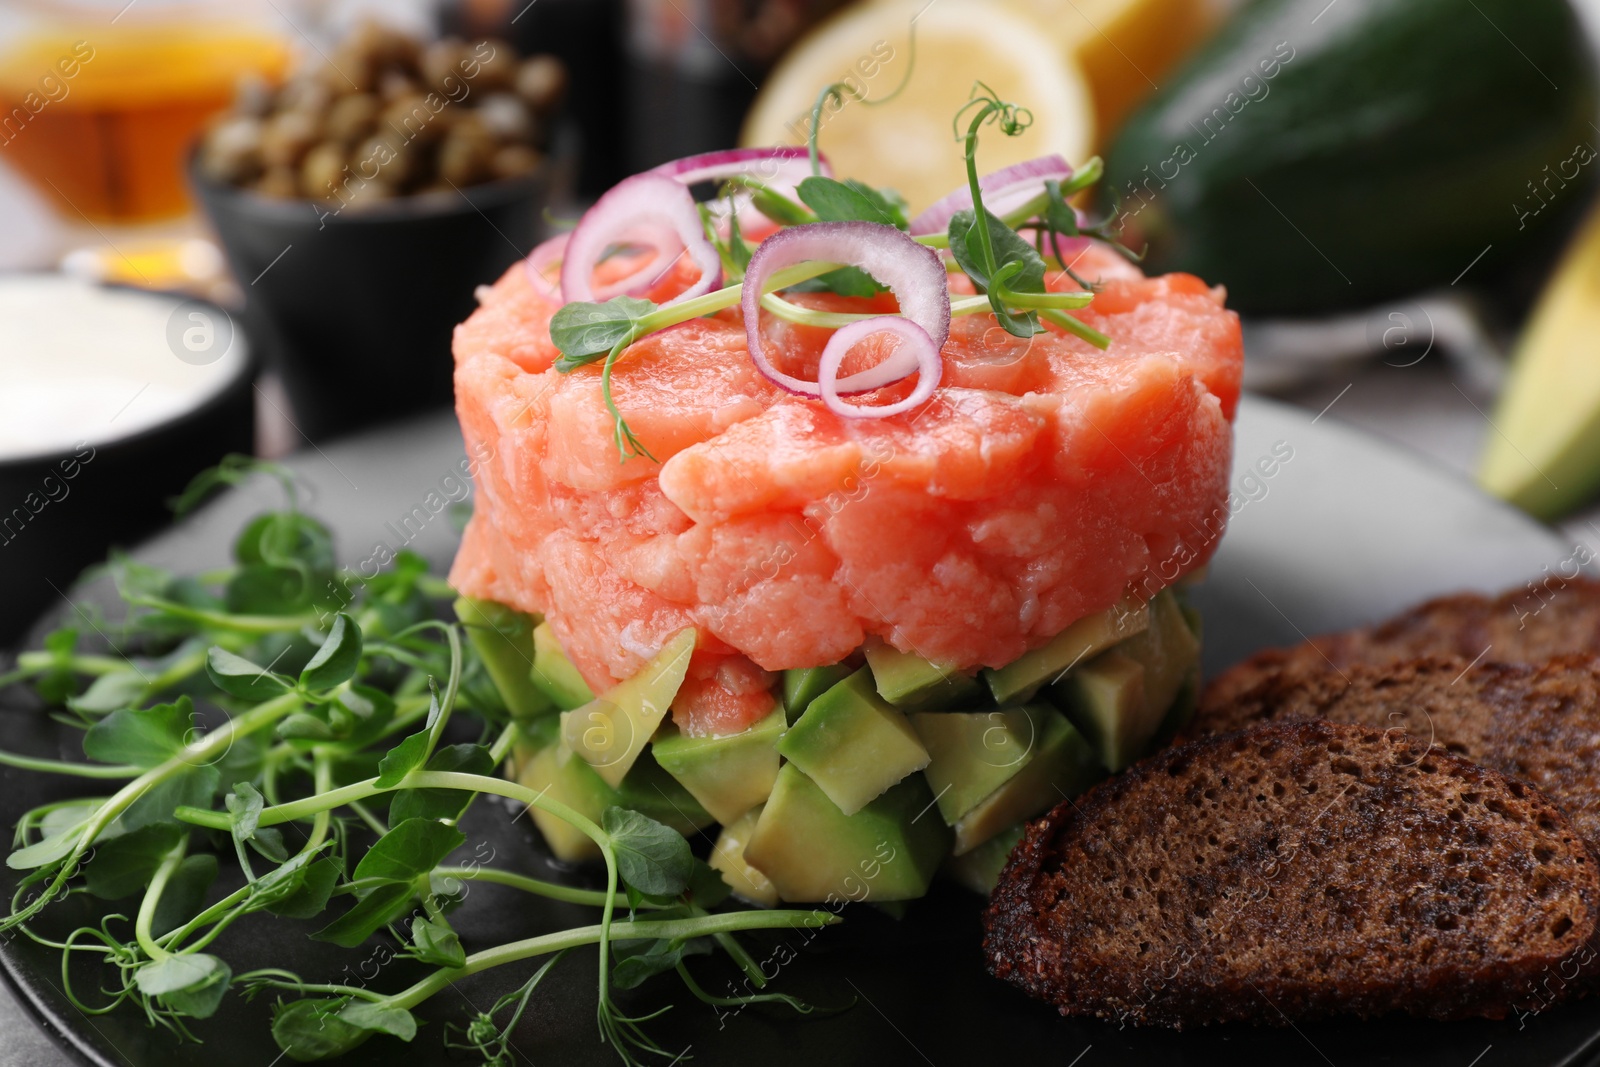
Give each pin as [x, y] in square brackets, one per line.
[250, 225]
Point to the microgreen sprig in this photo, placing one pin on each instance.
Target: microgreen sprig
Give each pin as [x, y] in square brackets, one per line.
[232, 707]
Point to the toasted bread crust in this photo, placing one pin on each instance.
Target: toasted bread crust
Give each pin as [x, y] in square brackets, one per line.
[1297, 870]
[1538, 723]
[1525, 625]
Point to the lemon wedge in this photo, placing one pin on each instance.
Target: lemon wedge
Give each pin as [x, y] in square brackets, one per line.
[908, 143]
[1124, 47]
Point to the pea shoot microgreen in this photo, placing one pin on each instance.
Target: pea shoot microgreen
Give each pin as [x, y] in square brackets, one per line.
[229, 709]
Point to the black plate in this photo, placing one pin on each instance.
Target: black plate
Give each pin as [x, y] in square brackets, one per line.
[1345, 529]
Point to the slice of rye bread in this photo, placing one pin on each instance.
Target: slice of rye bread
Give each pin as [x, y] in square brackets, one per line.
[1518, 626]
[1297, 870]
[1540, 723]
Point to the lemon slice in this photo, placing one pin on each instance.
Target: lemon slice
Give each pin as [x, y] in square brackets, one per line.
[908, 143]
[1124, 47]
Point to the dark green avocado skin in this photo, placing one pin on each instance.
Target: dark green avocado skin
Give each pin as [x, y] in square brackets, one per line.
[1313, 157]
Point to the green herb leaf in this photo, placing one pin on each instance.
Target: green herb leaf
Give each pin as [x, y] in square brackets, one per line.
[371, 913]
[124, 864]
[402, 759]
[244, 806]
[652, 858]
[336, 661]
[201, 1001]
[851, 201]
[443, 803]
[309, 891]
[192, 787]
[639, 960]
[192, 982]
[286, 539]
[48, 849]
[110, 692]
[706, 887]
[142, 737]
[432, 941]
[310, 1030]
[1009, 248]
[268, 841]
[176, 972]
[584, 332]
[267, 589]
[413, 847]
[238, 677]
[379, 1019]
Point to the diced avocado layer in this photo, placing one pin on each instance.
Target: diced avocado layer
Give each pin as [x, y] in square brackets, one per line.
[1120, 699]
[979, 870]
[727, 859]
[912, 683]
[561, 776]
[553, 673]
[802, 685]
[730, 774]
[853, 744]
[813, 852]
[1019, 680]
[612, 730]
[503, 639]
[971, 754]
[1063, 765]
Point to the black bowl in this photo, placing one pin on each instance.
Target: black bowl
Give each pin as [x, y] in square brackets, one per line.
[62, 508]
[355, 307]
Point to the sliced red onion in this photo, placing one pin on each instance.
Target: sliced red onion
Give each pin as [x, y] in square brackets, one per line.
[782, 168]
[649, 209]
[916, 348]
[914, 273]
[782, 165]
[1004, 190]
[539, 262]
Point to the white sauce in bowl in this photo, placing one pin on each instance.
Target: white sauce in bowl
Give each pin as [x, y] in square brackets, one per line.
[80, 362]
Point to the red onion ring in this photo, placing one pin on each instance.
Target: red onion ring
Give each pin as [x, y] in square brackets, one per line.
[539, 262]
[915, 346]
[782, 168]
[1003, 190]
[791, 164]
[914, 273]
[646, 208]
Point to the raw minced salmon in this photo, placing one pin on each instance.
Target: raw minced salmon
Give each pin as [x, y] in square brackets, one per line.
[1043, 479]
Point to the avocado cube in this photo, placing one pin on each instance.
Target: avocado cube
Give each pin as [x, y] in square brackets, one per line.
[727, 859]
[971, 754]
[1169, 650]
[1063, 765]
[813, 852]
[912, 683]
[1104, 698]
[979, 870]
[613, 729]
[802, 685]
[1018, 681]
[853, 744]
[553, 673]
[503, 639]
[561, 776]
[1121, 697]
[730, 774]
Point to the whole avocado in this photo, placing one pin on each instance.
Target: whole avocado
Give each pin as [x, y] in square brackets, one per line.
[1315, 156]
